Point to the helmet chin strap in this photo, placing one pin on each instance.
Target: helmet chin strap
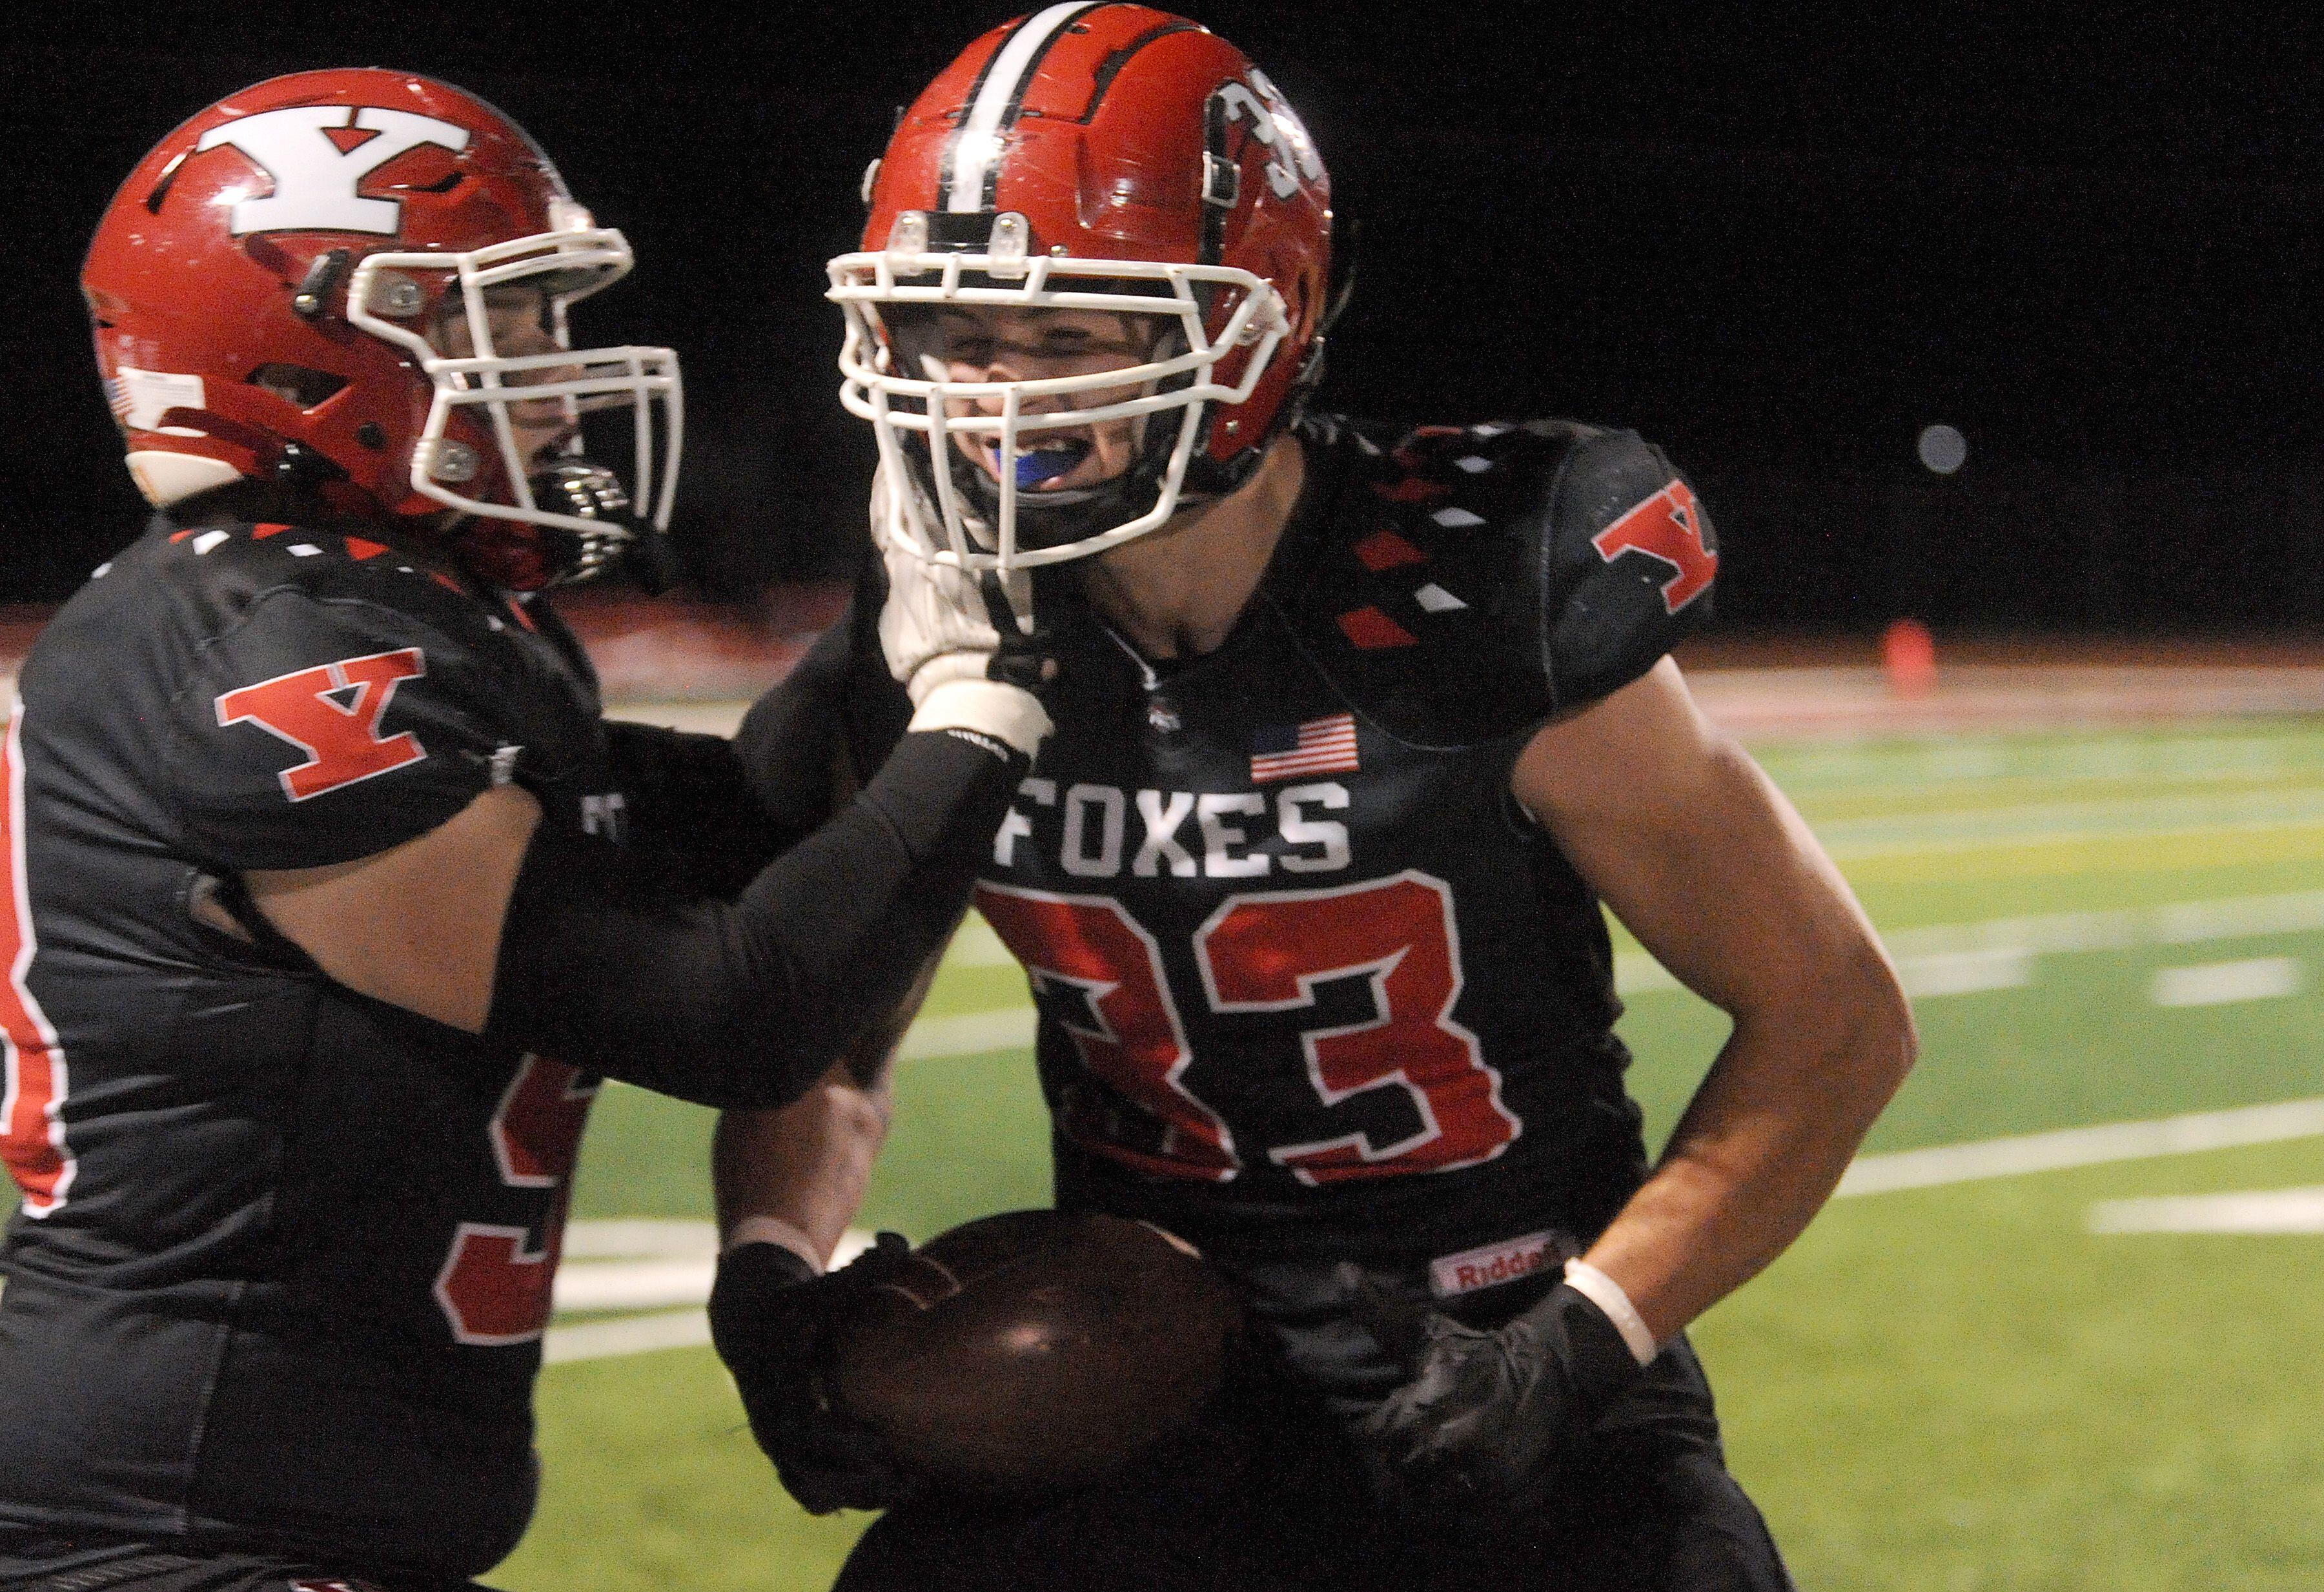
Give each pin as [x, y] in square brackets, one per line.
[523, 556]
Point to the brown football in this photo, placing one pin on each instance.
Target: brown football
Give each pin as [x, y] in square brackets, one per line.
[1035, 1350]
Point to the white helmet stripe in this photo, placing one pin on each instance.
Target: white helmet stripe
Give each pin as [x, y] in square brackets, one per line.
[975, 154]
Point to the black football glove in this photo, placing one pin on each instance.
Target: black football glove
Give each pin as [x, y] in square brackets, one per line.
[1484, 1411]
[770, 1317]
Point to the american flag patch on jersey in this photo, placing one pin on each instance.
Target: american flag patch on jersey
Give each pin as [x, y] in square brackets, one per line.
[1319, 746]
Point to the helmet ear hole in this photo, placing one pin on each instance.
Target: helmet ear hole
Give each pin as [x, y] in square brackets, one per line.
[298, 384]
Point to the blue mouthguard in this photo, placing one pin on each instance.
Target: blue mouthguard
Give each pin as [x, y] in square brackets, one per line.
[1046, 464]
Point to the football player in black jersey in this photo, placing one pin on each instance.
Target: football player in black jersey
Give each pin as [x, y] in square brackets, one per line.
[331, 896]
[1356, 734]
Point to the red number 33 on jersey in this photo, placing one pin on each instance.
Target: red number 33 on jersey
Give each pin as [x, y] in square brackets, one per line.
[1269, 952]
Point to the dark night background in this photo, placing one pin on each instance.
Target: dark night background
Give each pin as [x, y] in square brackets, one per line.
[1778, 247]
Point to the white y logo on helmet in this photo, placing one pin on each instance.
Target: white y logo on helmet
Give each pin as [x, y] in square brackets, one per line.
[314, 178]
[1276, 124]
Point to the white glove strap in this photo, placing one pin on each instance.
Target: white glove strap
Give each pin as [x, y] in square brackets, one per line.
[942, 666]
[1607, 1294]
[989, 707]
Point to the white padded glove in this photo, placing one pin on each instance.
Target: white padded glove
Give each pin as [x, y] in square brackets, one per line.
[940, 641]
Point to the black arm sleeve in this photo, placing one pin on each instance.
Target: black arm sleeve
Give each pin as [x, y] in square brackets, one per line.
[788, 741]
[745, 1004]
[838, 706]
[694, 819]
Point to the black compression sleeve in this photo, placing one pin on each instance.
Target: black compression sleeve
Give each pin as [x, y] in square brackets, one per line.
[694, 817]
[787, 744]
[745, 1004]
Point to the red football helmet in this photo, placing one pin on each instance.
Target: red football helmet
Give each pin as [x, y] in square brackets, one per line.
[265, 287]
[1093, 156]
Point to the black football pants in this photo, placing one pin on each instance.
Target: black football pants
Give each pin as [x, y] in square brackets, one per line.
[38, 1564]
[1274, 1502]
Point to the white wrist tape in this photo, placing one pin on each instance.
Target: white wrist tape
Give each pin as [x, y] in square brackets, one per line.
[774, 1229]
[1607, 1294]
[989, 707]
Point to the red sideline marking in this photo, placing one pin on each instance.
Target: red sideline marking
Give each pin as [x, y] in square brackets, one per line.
[1384, 549]
[1372, 631]
[31, 1134]
[1667, 527]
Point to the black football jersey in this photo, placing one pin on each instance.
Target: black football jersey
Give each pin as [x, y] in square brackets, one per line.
[1312, 985]
[282, 1260]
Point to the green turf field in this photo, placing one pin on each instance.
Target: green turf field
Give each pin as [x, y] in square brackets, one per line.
[1946, 1388]
[1958, 1382]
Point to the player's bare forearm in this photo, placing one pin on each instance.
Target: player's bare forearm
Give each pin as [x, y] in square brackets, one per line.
[796, 1176]
[874, 1054]
[1707, 864]
[1759, 1148]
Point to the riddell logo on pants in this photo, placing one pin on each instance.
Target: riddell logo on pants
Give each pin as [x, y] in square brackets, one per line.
[1504, 1262]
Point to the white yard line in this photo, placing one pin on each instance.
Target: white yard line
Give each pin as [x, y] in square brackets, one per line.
[974, 945]
[2220, 983]
[640, 1237]
[627, 1266]
[2083, 1146]
[2271, 1212]
[602, 1340]
[632, 1284]
[1966, 972]
[2178, 923]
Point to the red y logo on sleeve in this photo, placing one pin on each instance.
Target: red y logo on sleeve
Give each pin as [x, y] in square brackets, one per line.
[332, 714]
[1668, 527]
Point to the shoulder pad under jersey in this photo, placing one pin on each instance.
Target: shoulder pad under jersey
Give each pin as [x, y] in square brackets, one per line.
[325, 698]
[1467, 581]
